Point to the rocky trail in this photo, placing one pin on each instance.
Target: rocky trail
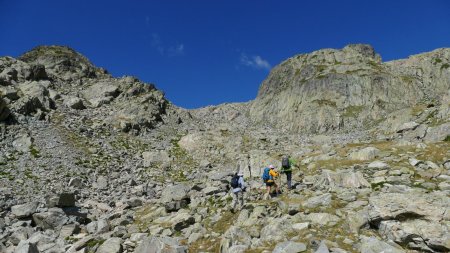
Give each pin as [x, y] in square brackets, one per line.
[93, 163]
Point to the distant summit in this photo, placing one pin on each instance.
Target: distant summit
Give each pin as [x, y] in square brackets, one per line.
[340, 90]
[63, 62]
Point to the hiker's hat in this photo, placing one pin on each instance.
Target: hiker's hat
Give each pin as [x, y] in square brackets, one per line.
[271, 167]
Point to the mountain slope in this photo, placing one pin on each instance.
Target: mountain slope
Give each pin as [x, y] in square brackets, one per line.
[342, 90]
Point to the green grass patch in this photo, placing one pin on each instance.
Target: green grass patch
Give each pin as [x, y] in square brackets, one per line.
[29, 174]
[377, 186]
[447, 139]
[92, 243]
[34, 151]
[5, 174]
[326, 102]
[352, 111]
[445, 66]
[436, 61]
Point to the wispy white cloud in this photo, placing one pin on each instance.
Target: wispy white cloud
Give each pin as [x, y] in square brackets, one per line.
[175, 50]
[255, 61]
[170, 50]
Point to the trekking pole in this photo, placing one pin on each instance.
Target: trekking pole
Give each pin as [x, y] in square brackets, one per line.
[249, 168]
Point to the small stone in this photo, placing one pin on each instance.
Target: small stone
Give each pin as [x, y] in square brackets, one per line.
[414, 162]
[76, 182]
[289, 247]
[322, 248]
[444, 186]
[300, 226]
[378, 165]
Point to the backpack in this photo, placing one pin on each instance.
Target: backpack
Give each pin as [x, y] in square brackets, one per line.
[266, 176]
[235, 182]
[285, 162]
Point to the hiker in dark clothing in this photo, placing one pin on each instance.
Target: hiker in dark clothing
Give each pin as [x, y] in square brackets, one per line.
[238, 188]
[286, 168]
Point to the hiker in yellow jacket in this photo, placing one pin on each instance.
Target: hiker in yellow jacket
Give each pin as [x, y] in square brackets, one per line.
[273, 175]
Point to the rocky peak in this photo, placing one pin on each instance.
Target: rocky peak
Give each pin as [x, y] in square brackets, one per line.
[331, 89]
[364, 50]
[63, 62]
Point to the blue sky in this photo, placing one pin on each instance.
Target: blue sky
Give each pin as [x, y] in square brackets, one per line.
[209, 52]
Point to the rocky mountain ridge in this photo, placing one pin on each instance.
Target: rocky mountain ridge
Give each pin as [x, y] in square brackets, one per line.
[93, 163]
[340, 90]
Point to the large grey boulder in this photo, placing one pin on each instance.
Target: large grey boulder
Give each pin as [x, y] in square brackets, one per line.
[322, 248]
[35, 96]
[159, 245]
[140, 113]
[321, 200]
[438, 133]
[234, 236]
[101, 93]
[289, 247]
[66, 199]
[365, 154]
[23, 143]
[323, 219]
[407, 127]
[112, 245]
[175, 193]
[339, 179]
[26, 247]
[181, 221]
[54, 219]
[378, 165]
[74, 103]
[101, 183]
[373, 245]
[25, 210]
[420, 224]
[159, 156]
[276, 230]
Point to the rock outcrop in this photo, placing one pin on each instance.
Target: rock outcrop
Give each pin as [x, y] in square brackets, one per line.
[340, 90]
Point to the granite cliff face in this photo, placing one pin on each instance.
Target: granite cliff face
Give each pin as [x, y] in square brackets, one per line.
[341, 90]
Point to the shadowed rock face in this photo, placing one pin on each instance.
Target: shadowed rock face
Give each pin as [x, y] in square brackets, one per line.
[333, 90]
